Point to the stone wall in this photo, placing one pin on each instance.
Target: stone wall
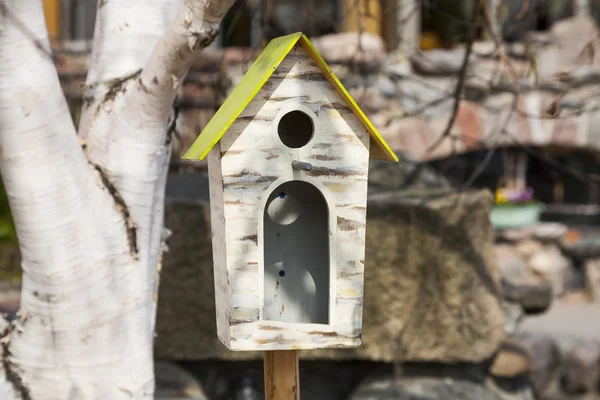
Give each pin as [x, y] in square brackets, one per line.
[432, 292]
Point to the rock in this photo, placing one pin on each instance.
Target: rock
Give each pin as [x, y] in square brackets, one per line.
[407, 176]
[544, 356]
[552, 265]
[592, 279]
[398, 64]
[427, 97]
[173, 382]
[520, 285]
[435, 273]
[366, 50]
[575, 297]
[369, 97]
[513, 315]
[515, 234]
[581, 368]
[549, 231]
[386, 86]
[511, 360]
[534, 298]
[430, 268]
[511, 265]
[511, 389]
[388, 387]
[572, 35]
[528, 248]
[439, 62]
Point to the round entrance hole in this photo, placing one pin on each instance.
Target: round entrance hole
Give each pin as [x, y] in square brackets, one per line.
[295, 129]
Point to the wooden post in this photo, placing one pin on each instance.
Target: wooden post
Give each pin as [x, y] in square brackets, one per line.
[282, 376]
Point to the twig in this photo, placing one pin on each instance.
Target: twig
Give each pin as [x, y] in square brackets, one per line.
[461, 79]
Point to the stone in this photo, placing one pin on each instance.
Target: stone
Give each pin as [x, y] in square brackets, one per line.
[173, 382]
[515, 234]
[408, 175]
[572, 35]
[592, 279]
[366, 50]
[512, 265]
[439, 61]
[386, 86]
[529, 247]
[398, 64]
[511, 360]
[575, 297]
[581, 368]
[534, 298]
[430, 268]
[513, 315]
[435, 273]
[549, 231]
[552, 265]
[388, 387]
[511, 388]
[545, 358]
[519, 284]
[369, 97]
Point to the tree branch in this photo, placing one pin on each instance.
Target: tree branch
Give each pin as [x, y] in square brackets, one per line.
[461, 77]
[42, 164]
[124, 37]
[195, 26]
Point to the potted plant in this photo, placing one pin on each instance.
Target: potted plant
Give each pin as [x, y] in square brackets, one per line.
[515, 208]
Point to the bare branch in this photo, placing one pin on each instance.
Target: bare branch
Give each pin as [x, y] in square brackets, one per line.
[461, 78]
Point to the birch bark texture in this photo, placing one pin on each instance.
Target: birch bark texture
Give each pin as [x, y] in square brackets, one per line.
[88, 202]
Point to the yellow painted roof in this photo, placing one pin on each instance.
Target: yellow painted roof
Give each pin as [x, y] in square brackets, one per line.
[262, 69]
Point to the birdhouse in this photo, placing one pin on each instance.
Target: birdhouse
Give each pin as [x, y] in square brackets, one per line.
[288, 161]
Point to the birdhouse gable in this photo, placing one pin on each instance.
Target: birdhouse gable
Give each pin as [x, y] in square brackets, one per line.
[258, 75]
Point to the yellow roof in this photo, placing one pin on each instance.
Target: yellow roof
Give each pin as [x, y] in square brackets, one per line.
[252, 82]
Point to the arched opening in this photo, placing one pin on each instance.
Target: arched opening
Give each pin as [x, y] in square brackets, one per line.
[296, 254]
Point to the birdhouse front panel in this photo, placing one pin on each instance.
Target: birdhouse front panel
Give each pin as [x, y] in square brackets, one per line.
[288, 174]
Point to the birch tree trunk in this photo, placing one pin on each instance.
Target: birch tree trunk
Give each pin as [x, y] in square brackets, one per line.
[88, 203]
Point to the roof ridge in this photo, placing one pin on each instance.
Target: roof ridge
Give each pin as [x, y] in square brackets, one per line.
[255, 78]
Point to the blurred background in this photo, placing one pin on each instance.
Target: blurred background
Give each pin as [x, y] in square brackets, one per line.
[492, 107]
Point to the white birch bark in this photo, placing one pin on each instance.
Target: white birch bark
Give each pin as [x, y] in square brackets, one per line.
[90, 222]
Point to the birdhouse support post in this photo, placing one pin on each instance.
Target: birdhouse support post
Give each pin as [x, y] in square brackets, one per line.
[282, 376]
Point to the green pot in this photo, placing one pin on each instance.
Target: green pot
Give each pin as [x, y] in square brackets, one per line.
[515, 215]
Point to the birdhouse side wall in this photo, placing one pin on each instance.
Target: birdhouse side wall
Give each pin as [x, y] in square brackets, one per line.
[219, 248]
[254, 162]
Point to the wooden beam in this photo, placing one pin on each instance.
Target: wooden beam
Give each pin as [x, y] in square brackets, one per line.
[282, 375]
[362, 16]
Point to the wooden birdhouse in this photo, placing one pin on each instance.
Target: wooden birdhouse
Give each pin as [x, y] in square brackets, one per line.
[288, 160]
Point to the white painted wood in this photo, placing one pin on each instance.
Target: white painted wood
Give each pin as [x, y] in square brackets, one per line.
[90, 229]
[254, 162]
